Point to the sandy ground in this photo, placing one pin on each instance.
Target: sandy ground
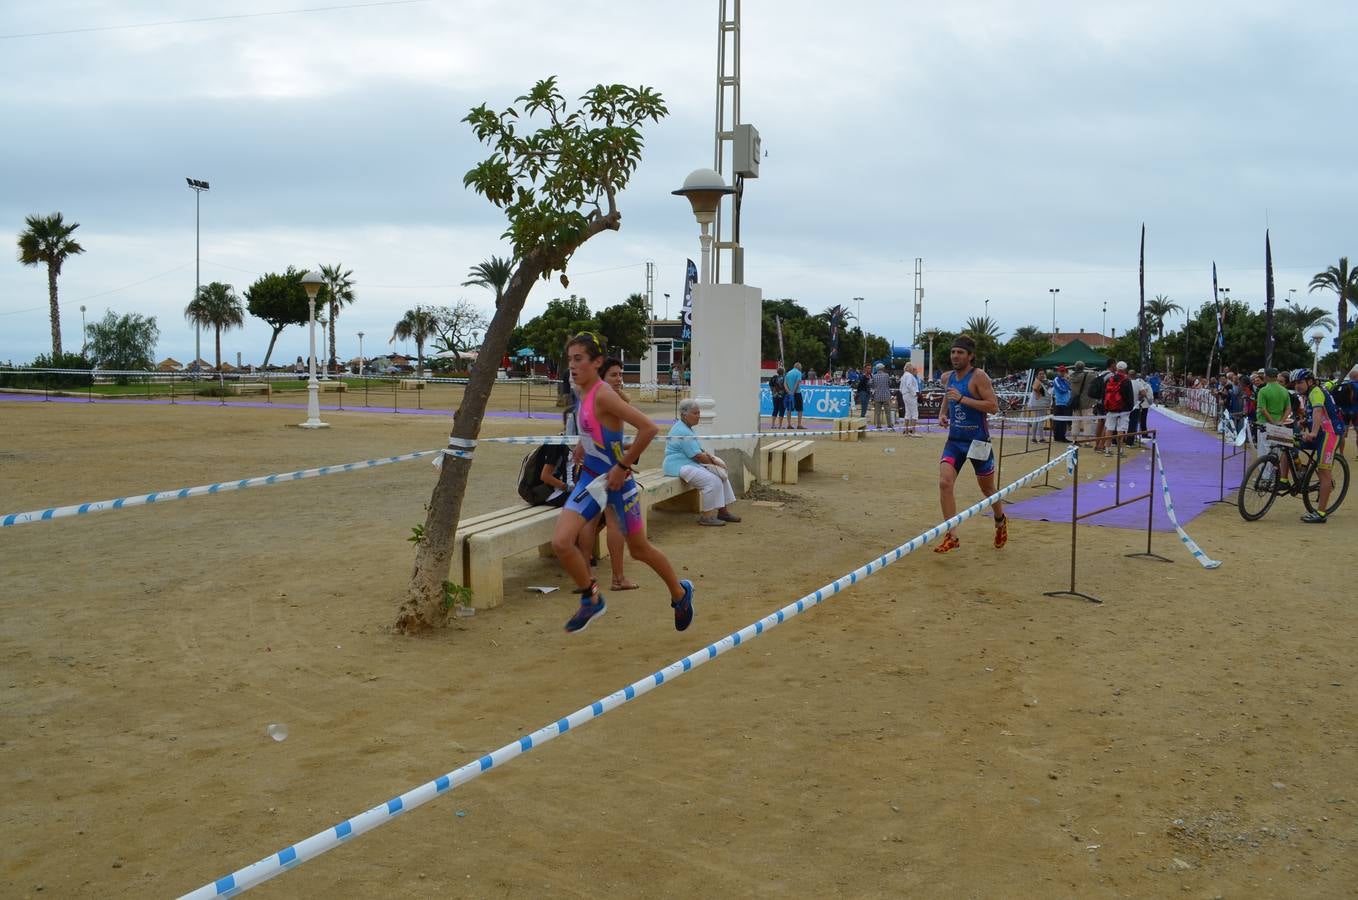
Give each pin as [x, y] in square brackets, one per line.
[942, 729]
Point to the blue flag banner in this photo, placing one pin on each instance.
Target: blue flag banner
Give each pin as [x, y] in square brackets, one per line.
[1221, 337]
[690, 279]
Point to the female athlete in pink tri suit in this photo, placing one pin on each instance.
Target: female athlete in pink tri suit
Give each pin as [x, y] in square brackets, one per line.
[601, 415]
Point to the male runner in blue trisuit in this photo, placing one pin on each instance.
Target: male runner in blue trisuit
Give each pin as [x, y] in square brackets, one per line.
[969, 399]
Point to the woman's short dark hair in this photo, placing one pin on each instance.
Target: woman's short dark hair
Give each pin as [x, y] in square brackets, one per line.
[610, 363]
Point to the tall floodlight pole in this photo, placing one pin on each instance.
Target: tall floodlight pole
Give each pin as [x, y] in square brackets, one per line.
[1104, 329]
[311, 283]
[84, 334]
[197, 187]
[1053, 292]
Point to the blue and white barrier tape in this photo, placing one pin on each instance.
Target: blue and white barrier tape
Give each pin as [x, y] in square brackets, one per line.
[1193, 548]
[462, 448]
[749, 435]
[276, 863]
[81, 509]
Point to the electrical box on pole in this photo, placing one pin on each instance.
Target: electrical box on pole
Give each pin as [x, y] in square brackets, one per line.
[745, 152]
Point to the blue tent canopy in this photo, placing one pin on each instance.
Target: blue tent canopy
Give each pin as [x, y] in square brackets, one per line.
[526, 351]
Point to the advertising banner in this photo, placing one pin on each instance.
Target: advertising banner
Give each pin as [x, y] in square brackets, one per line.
[818, 401]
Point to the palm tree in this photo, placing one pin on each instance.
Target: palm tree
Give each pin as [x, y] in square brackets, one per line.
[1344, 282]
[1156, 310]
[493, 274]
[1305, 317]
[1030, 333]
[418, 325]
[340, 283]
[986, 332]
[982, 326]
[48, 241]
[217, 307]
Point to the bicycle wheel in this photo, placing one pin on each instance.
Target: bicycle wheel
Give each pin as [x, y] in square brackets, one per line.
[1339, 476]
[1258, 489]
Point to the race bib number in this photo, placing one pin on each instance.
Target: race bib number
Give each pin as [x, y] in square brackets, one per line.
[598, 489]
[979, 450]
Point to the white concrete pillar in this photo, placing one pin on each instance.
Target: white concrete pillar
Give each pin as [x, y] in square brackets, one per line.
[724, 360]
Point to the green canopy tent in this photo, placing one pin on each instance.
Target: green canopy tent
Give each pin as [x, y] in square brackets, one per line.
[1076, 351]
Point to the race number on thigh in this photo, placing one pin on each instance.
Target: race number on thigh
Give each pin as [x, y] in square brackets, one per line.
[979, 450]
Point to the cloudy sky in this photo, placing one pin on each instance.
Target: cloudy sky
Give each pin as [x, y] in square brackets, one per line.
[1014, 146]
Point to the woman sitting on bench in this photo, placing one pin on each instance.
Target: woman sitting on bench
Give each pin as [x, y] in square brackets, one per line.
[705, 471]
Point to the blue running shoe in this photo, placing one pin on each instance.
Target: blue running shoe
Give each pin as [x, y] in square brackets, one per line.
[587, 611]
[683, 607]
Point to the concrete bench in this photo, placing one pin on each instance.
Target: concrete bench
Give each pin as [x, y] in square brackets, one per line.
[250, 387]
[482, 543]
[411, 384]
[851, 428]
[781, 462]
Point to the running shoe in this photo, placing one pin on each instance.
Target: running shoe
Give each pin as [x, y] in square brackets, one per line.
[683, 607]
[1001, 531]
[1315, 518]
[950, 543]
[587, 611]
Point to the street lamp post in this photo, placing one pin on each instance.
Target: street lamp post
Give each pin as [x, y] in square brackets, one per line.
[1316, 338]
[704, 189]
[84, 335]
[1053, 292]
[932, 333]
[312, 282]
[363, 368]
[1104, 330]
[197, 187]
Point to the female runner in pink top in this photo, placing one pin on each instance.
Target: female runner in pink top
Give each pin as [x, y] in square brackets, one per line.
[601, 415]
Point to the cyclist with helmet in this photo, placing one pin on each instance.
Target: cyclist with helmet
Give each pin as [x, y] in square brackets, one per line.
[1322, 430]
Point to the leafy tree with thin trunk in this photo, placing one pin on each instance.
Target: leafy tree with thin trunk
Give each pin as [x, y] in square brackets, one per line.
[280, 300]
[493, 274]
[547, 334]
[623, 325]
[456, 326]
[1030, 333]
[558, 185]
[418, 325]
[216, 307]
[47, 241]
[1344, 282]
[339, 284]
[123, 343]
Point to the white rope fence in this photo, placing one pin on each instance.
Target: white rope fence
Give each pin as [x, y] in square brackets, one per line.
[321, 842]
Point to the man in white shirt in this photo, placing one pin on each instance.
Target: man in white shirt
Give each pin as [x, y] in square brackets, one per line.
[1141, 394]
[910, 394]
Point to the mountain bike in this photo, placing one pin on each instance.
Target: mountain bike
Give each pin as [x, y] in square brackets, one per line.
[1260, 486]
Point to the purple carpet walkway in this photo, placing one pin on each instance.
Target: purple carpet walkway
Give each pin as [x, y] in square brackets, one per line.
[1192, 459]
